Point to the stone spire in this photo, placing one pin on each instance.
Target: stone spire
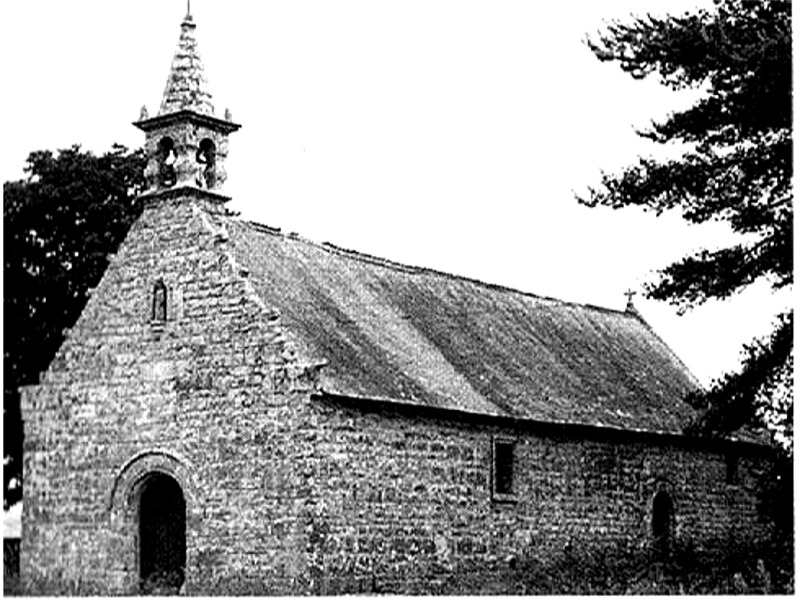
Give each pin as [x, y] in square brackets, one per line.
[187, 88]
[186, 145]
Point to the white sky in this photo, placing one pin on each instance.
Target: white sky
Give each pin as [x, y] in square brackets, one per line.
[451, 134]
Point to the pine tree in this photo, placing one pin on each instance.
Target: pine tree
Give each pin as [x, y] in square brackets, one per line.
[737, 169]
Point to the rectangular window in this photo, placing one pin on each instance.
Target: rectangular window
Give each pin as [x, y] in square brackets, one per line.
[503, 469]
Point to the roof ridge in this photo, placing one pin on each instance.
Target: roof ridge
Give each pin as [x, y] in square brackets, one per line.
[415, 269]
[371, 258]
[264, 228]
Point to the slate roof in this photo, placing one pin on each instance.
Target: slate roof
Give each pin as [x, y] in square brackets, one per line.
[414, 335]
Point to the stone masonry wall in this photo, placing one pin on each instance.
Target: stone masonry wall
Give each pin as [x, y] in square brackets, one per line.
[405, 504]
[209, 397]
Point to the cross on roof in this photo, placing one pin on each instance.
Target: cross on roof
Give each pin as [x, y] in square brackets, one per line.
[630, 294]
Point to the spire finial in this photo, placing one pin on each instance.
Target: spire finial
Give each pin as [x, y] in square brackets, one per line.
[188, 18]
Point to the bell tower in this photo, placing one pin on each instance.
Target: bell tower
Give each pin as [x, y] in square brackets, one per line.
[186, 144]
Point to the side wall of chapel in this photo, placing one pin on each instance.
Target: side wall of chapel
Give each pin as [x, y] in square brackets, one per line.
[406, 502]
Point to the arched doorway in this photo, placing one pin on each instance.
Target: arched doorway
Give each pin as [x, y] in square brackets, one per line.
[162, 534]
[662, 522]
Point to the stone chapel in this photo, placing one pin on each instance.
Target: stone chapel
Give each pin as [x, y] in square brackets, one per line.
[238, 410]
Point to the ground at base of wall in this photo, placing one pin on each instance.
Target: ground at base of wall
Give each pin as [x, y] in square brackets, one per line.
[11, 586]
[10, 565]
[765, 570]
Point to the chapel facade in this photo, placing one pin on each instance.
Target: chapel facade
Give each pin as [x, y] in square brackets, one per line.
[242, 411]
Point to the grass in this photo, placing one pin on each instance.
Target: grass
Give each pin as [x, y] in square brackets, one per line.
[768, 569]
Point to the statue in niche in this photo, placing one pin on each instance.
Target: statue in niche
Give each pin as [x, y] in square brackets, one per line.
[159, 302]
[206, 158]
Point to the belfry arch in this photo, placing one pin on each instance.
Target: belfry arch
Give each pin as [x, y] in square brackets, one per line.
[206, 157]
[166, 162]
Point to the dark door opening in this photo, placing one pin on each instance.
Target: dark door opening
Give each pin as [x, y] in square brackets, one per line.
[162, 534]
[662, 522]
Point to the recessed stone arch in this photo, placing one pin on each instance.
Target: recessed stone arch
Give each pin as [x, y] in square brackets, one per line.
[173, 476]
[140, 465]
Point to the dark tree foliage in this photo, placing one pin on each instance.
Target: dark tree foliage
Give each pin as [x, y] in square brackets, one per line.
[767, 367]
[738, 169]
[60, 224]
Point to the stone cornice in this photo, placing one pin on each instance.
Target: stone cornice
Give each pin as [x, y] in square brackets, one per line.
[189, 192]
[183, 116]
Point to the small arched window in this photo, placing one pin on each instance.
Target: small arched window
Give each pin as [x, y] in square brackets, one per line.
[662, 521]
[732, 469]
[159, 302]
[207, 158]
[166, 162]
